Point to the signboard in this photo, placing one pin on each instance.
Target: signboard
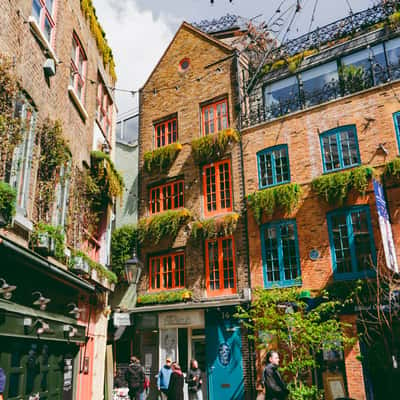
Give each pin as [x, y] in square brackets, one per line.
[385, 228]
[122, 319]
[194, 318]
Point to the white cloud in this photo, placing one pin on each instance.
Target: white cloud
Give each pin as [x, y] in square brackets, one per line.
[137, 39]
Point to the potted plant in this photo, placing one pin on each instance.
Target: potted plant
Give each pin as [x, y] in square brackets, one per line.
[79, 264]
[7, 203]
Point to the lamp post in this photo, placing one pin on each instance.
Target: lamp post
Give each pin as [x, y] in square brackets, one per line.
[133, 269]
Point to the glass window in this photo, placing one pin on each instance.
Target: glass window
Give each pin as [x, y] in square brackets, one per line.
[167, 271]
[43, 13]
[351, 239]
[215, 117]
[396, 117]
[321, 84]
[62, 191]
[282, 97]
[78, 68]
[340, 148]
[104, 109]
[393, 57]
[217, 190]
[166, 197]
[281, 261]
[273, 166]
[220, 266]
[130, 129]
[166, 132]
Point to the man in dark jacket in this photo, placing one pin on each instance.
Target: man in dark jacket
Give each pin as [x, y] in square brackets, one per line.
[135, 377]
[194, 381]
[275, 388]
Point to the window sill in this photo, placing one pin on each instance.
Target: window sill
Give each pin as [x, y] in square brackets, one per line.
[39, 35]
[282, 284]
[348, 276]
[273, 185]
[342, 169]
[78, 103]
[23, 222]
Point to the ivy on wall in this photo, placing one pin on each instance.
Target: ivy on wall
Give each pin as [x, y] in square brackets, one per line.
[335, 187]
[392, 169]
[211, 228]
[54, 234]
[7, 201]
[267, 201]
[175, 296]
[211, 147]
[160, 160]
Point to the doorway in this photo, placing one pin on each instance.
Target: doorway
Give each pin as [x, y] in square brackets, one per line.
[199, 354]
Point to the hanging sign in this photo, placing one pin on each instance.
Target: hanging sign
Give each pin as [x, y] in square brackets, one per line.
[122, 319]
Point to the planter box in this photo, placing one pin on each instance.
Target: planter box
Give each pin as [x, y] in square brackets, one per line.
[79, 265]
[45, 244]
[94, 275]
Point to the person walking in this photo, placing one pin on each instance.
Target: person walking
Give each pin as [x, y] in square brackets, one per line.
[163, 378]
[176, 382]
[135, 378]
[275, 387]
[194, 381]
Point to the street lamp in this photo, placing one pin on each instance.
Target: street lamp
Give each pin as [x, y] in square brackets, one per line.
[133, 269]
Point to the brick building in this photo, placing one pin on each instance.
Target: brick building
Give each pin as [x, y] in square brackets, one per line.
[64, 68]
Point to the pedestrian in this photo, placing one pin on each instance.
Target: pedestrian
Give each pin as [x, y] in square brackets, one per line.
[275, 388]
[163, 378]
[176, 382]
[135, 377]
[2, 383]
[194, 381]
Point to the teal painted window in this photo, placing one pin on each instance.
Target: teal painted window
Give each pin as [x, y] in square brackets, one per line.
[273, 166]
[396, 118]
[352, 243]
[339, 148]
[280, 251]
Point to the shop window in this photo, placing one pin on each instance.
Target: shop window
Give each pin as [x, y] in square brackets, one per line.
[166, 132]
[339, 148]
[167, 271]
[214, 117]
[78, 68]
[220, 266]
[217, 188]
[273, 166]
[104, 111]
[169, 196]
[280, 252]
[43, 11]
[352, 243]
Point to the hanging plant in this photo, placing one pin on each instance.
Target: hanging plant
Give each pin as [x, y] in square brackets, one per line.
[213, 227]
[175, 296]
[54, 153]
[48, 240]
[392, 169]
[211, 147]
[267, 201]
[105, 176]
[334, 188]
[7, 202]
[354, 79]
[160, 160]
[123, 241]
[168, 223]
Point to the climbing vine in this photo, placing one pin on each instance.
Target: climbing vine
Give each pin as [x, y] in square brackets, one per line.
[7, 201]
[213, 227]
[267, 201]
[211, 147]
[334, 188]
[55, 236]
[392, 169]
[160, 160]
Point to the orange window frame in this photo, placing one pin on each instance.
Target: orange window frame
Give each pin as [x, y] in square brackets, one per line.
[158, 277]
[223, 262]
[220, 195]
[166, 132]
[212, 122]
[159, 196]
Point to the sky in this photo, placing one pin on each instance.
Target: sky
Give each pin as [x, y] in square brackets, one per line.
[139, 31]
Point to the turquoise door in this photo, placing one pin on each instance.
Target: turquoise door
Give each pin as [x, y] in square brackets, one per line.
[224, 357]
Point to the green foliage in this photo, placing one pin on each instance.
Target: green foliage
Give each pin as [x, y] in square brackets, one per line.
[213, 227]
[108, 180]
[292, 62]
[7, 201]
[90, 13]
[335, 187]
[277, 319]
[54, 153]
[354, 79]
[160, 160]
[392, 169]
[55, 233]
[211, 147]
[154, 228]
[267, 201]
[394, 20]
[175, 296]
[123, 242]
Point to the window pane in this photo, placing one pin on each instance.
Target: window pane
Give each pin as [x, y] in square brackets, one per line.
[47, 29]
[131, 129]
[274, 167]
[281, 165]
[213, 265]
[266, 169]
[271, 260]
[282, 97]
[320, 84]
[49, 6]
[331, 152]
[393, 57]
[357, 71]
[225, 189]
[118, 131]
[211, 195]
[341, 243]
[288, 239]
[228, 264]
[36, 8]
[362, 240]
[348, 143]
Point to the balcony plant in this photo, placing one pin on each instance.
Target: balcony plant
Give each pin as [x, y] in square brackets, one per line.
[334, 188]
[153, 229]
[48, 240]
[392, 169]
[160, 160]
[7, 203]
[354, 79]
[211, 228]
[211, 147]
[175, 296]
[267, 201]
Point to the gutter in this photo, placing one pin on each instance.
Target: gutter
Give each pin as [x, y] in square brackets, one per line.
[45, 265]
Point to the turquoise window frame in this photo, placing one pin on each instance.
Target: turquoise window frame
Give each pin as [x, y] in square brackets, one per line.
[272, 150]
[336, 132]
[355, 274]
[282, 281]
[397, 128]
